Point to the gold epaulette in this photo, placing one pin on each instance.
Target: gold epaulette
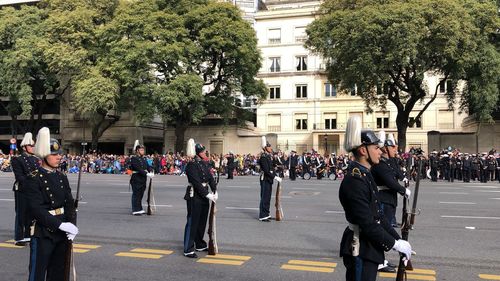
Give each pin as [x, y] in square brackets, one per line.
[356, 172]
[33, 174]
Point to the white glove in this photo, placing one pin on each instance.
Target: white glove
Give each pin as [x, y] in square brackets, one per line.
[211, 197]
[70, 236]
[406, 180]
[408, 193]
[403, 247]
[69, 228]
[404, 169]
[216, 196]
[278, 179]
[150, 175]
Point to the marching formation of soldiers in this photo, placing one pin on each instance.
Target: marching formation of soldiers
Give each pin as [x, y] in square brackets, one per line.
[46, 215]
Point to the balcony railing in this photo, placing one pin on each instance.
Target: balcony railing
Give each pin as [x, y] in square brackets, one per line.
[274, 41]
[446, 125]
[274, 128]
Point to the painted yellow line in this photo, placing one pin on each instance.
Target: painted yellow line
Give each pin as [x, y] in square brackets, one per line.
[10, 241]
[80, 250]
[421, 271]
[489, 276]
[85, 246]
[138, 255]
[8, 245]
[314, 263]
[217, 261]
[409, 276]
[152, 251]
[229, 257]
[307, 268]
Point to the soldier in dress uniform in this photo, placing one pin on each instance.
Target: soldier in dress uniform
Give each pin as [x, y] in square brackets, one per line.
[386, 176]
[51, 205]
[306, 164]
[434, 164]
[476, 167]
[483, 161]
[452, 167]
[197, 198]
[230, 165]
[267, 176]
[23, 166]
[140, 173]
[293, 161]
[466, 167]
[368, 234]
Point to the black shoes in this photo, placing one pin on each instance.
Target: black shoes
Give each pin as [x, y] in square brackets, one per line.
[192, 255]
[266, 219]
[202, 249]
[387, 269]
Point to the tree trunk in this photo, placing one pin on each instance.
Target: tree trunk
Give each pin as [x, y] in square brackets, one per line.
[402, 125]
[95, 137]
[180, 130]
[13, 126]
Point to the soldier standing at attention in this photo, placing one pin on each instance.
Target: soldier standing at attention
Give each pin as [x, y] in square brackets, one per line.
[51, 205]
[368, 234]
[197, 198]
[23, 166]
[230, 165]
[293, 161]
[140, 173]
[267, 176]
[434, 164]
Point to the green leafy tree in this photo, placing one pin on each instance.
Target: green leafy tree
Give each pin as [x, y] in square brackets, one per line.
[387, 47]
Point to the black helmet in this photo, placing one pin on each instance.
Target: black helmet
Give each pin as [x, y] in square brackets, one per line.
[55, 147]
[368, 137]
[199, 148]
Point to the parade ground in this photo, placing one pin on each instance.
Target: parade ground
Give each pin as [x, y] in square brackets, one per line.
[456, 236]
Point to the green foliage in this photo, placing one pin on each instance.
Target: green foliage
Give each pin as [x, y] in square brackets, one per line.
[393, 44]
[95, 93]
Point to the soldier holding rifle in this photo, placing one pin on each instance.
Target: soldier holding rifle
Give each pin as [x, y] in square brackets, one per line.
[52, 206]
[197, 199]
[368, 234]
[140, 173]
[267, 176]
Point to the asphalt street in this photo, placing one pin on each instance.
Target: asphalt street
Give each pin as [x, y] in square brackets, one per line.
[456, 235]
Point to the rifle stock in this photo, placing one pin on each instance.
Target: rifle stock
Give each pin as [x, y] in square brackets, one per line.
[212, 240]
[407, 223]
[150, 211]
[279, 210]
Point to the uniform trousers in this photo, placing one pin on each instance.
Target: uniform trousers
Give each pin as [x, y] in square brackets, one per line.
[358, 269]
[197, 214]
[266, 189]
[293, 173]
[138, 188]
[47, 258]
[21, 224]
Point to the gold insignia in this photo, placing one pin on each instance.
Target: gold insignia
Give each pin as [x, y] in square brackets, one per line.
[56, 146]
[356, 172]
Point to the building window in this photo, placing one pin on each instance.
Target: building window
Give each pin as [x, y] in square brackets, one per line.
[274, 36]
[382, 122]
[301, 63]
[353, 90]
[300, 34]
[418, 122]
[274, 122]
[301, 122]
[445, 86]
[301, 91]
[445, 119]
[275, 64]
[330, 90]
[274, 92]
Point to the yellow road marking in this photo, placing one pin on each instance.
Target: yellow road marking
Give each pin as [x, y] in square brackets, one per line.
[421, 271]
[489, 276]
[409, 276]
[80, 250]
[217, 261]
[138, 255]
[10, 241]
[152, 251]
[307, 268]
[229, 257]
[314, 263]
[85, 246]
[8, 245]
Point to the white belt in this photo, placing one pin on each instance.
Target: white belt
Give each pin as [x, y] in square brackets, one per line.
[355, 239]
[55, 212]
[382, 188]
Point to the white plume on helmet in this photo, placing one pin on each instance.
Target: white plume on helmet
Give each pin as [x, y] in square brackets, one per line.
[27, 140]
[352, 138]
[381, 137]
[263, 142]
[136, 144]
[42, 146]
[190, 148]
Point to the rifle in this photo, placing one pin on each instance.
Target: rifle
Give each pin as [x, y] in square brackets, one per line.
[69, 265]
[212, 239]
[150, 211]
[407, 222]
[279, 210]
